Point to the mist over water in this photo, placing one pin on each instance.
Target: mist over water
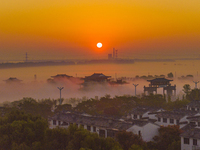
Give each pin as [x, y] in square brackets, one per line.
[38, 87]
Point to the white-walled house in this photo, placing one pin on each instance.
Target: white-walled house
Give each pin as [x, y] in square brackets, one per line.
[194, 120]
[105, 127]
[143, 113]
[176, 117]
[145, 129]
[190, 139]
[193, 105]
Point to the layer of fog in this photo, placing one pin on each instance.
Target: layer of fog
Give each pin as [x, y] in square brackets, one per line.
[73, 89]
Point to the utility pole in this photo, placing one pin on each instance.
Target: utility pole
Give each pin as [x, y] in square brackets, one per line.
[135, 87]
[196, 84]
[60, 88]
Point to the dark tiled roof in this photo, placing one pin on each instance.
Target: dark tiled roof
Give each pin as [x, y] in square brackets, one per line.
[98, 121]
[159, 80]
[176, 114]
[194, 103]
[61, 76]
[97, 76]
[140, 122]
[143, 110]
[12, 79]
[194, 118]
[191, 132]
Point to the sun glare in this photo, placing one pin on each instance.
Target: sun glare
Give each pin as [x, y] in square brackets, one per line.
[99, 45]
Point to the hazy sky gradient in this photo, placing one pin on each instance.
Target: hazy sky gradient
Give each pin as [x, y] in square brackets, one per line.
[64, 29]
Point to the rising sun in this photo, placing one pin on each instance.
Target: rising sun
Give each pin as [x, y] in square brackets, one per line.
[99, 45]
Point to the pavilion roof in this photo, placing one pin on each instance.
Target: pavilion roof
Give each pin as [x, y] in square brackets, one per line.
[61, 76]
[159, 80]
[97, 75]
[12, 79]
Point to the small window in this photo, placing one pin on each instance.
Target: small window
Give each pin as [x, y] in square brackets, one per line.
[165, 120]
[194, 141]
[59, 123]
[135, 116]
[65, 123]
[94, 129]
[88, 128]
[186, 141]
[159, 119]
[177, 122]
[192, 122]
[140, 116]
[193, 109]
[198, 124]
[139, 133]
[171, 120]
[54, 122]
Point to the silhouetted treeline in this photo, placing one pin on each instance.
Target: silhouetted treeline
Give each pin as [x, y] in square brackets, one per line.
[120, 105]
[117, 106]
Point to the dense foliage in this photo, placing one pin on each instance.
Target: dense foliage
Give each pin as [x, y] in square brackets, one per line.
[128, 140]
[168, 138]
[19, 131]
[29, 105]
[22, 131]
[114, 107]
[120, 105]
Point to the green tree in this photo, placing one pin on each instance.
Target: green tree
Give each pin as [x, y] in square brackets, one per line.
[186, 90]
[194, 95]
[135, 147]
[19, 130]
[170, 75]
[57, 138]
[175, 145]
[167, 136]
[127, 139]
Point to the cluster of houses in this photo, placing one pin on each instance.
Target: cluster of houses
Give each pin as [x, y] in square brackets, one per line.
[143, 121]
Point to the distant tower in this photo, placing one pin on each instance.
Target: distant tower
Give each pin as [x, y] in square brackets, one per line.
[113, 53]
[116, 53]
[26, 57]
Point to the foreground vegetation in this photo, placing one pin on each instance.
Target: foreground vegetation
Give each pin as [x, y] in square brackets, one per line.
[24, 125]
[114, 107]
[21, 131]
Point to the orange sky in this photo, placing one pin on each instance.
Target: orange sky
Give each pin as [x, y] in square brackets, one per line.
[70, 29]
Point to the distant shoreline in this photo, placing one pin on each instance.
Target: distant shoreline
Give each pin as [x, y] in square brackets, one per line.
[82, 62]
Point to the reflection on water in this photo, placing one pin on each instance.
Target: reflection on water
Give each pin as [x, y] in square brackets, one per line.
[40, 89]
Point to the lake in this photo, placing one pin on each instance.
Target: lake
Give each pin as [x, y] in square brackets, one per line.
[40, 89]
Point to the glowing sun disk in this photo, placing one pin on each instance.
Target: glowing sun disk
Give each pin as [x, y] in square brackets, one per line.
[99, 45]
